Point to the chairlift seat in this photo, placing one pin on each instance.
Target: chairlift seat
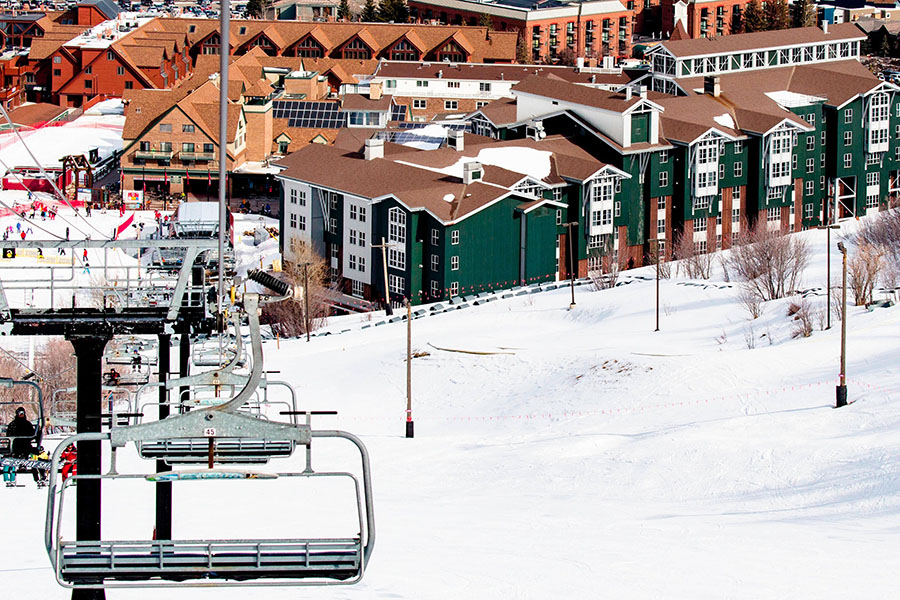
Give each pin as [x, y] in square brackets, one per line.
[86, 562]
[226, 451]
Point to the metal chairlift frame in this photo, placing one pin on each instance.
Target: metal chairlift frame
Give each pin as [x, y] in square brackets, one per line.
[59, 418]
[161, 563]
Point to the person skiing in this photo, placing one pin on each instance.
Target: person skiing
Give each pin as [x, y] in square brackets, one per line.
[22, 432]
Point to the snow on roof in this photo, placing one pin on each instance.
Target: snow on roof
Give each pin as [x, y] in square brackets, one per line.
[725, 120]
[108, 32]
[198, 212]
[792, 99]
[531, 161]
[107, 107]
[50, 144]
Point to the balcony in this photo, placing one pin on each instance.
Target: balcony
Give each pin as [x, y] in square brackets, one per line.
[154, 154]
[196, 156]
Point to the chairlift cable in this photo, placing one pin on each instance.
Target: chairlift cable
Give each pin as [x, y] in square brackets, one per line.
[44, 172]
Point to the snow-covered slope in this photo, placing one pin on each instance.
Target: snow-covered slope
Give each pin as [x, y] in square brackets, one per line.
[589, 456]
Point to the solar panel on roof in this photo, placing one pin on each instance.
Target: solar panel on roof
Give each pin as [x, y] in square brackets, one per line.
[324, 115]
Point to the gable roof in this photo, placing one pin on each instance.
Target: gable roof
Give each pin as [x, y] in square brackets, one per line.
[558, 89]
[416, 188]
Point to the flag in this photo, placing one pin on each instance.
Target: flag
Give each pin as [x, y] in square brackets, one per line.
[208, 177]
[166, 176]
[187, 177]
[124, 226]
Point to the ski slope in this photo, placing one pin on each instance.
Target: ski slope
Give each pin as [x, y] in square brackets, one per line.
[583, 456]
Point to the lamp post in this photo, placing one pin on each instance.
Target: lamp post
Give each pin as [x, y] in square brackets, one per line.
[655, 243]
[828, 229]
[841, 392]
[387, 290]
[572, 263]
[409, 420]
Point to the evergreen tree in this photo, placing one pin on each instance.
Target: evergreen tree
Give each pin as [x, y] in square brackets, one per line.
[344, 11]
[369, 12]
[393, 10]
[804, 13]
[754, 17]
[486, 21]
[523, 54]
[255, 8]
[778, 15]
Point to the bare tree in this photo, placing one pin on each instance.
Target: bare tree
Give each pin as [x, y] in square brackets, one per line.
[883, 232]
[863, 269]
[750, 300]
[770, 262]
[287, 318]
[803, 319]
[665, 266]
[54, 368]
[694, 264]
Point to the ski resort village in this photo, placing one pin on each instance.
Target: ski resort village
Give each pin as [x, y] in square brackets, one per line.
[433, 299]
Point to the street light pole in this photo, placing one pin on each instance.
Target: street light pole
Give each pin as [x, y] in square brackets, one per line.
[655, 243]
[306, 297]
[841, 392]
[387, 290]
[572, 263]
[409, 419]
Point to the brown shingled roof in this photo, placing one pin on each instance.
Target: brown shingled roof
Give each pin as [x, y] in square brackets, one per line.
[483, 45]
[577, 94]
[360, 102]
[32, 114]
[416, 188]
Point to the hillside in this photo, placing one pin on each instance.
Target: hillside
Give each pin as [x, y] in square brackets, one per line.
[583, 455]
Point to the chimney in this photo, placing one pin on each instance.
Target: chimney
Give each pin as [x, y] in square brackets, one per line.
[375, 90]
[374, 149]
[472, 172]
[642, 90]
[627, 93]
[593, 79]
[440, 74]
[825, 27]
[579, 63]
[711, 85]
[456, 139]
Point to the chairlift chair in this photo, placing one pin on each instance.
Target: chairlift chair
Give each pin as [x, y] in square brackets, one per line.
[191, 563]
[155, 563]
[37, 415]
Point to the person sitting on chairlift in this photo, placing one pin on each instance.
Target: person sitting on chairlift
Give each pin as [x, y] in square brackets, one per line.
[22, 430]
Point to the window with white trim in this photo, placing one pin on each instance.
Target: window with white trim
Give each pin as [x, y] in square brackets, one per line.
[702, 202]
[420, 103]
[663, 157]
[809, 187]
[396, 284]
[848, 160]
[810, 165]
[353, 212]
[352, 236]
[293, 196]
[738, 169]
[663, 178]
[293, 221]
[773, 214]
[454, 288]
[435, 290]
[454, 263]
[735, 215]
[660, 227]
[848, 138]
[435, 236]
[434, 262]
[357, 288]
[352, 261]
[700, 225]
[397, 237]
[362, 264]
[451, 104]
[808, 210]
[736, 193]
[301, 223]
[848, 116]
[454, 237]
[810, 142]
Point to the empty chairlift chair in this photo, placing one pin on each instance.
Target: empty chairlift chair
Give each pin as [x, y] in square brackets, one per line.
[293, 560]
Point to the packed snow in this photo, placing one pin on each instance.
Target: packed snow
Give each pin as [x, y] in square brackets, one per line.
[582, 455]
[516, 159]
